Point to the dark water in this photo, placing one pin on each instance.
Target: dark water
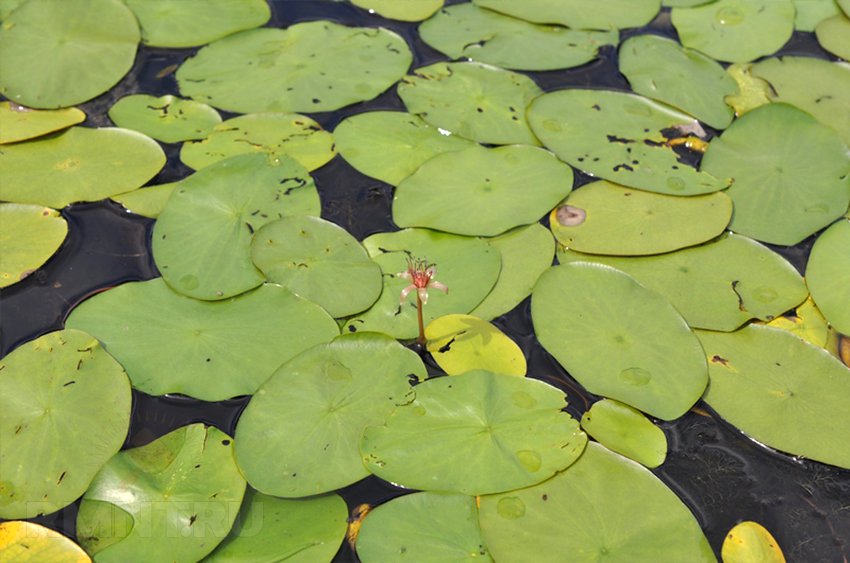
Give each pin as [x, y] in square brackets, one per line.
[717, 471]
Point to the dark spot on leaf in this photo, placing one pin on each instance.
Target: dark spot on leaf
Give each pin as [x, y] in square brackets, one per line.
[225, 442]
[623, 166]
[446, 347]
[61, 477]
[72, 381]
[718, 360]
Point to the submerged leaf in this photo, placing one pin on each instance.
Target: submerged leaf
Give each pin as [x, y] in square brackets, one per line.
[626, 431]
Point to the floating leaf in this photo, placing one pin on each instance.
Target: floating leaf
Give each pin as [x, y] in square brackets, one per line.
[602, 507]
[465, 30]
[409, 10]
[308, 67]
[604, 218]
[276, 134]
[606, 14]
[684, 3]
[148, 202]
[781, 390]
[8, 6]
[736, 31]
[475, 433]
[811, 12]
[58, 54]
[626, 431]
[310, 414]
[788, 171]
[619, 339]
[808, 323]
[391, 145]
[619, 137]
[189, 23]
[54, 442]
[81, 164]
[480, 102]
[834, 35]
[508, 186]
[19, 123]
[423, 527]
[828, 274]
[462, 343]
[27, 542]
[167, 119]
[209, 350]
[319, 261]
[202, 239]
[750, 542]
[173, 499]
[29, 235]
[752, 92]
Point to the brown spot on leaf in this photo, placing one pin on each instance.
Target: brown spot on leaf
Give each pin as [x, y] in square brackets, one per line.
[570, 216]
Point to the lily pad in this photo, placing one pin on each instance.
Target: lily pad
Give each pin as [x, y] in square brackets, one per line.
[834, 35]
[19, 123]
[148, 202]
[811, 12]
[477, 101]
[27, 542]
[468, 266]
[619, 339]
[173, 499]
[308, 67]
[319, 261]
[80, 164]
[603, 507]
[189, 23]
[526, 252]
[276, 134]
[736, 31]
[406, 10]
[626, 431]
[606, 14]
[604, 218]
[508, 186]
[750, 542]
[391, 145]
[781, 390]
[661, 69]
[310, 414]
[8, 6]
[716, 286]
[752, 91]
[53, 441]
[789, 173]
[167, 119]
[462, 343]
[828, 274]
[208, 350]
[276, 529]
[29, 236]
[475, 433]
[465, 30]
[808, 323]
[423, 527]
[619, 137]
[202, 239]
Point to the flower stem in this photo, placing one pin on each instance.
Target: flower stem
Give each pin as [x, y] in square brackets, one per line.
[421, 339]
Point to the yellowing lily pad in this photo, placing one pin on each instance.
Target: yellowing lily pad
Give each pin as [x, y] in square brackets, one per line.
[167, 119]
[828, 274]
[606, 14]
[27, 542]
[404, 10]
[834, 35]
[626, 431]
[19, 123]
[750, 542]
[29, 235]
[752, 91]
[461, 343]
[808, 323]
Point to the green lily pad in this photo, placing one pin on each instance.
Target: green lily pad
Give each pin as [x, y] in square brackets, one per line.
[736, 31]
[465, 30]
[828, 275]
[604, 507]
[626, 431]
[661, 69]
[19, 123]
[750, 542]
[310, 414]
[604, 218]
[844, 5]
[27, 542]
[173, 499]
[58, 54]
[80, 164]
[684, 3]
[29, 235]
[423, 527]
[781, 390]
[789, 173]
[391, 145]
[475, 433]
[208, 350]
[811, 12]
[507, 186]
[606, 14]
[406, 10]
[716, 286]
[276, 529]
[618, 137]
[462, 343]
[308, 67]
[476, 101]
[834, 35]
[319, 261]
[148, 202]
[167, 119]
[276, 134]
[53, 441]
[202, 239]
[189, 23]
[622, 341]
[8, 6]
[468, 266]
[526, 252]
[752, 91]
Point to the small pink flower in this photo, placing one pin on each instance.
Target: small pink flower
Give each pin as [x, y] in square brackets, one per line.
[420, 274]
